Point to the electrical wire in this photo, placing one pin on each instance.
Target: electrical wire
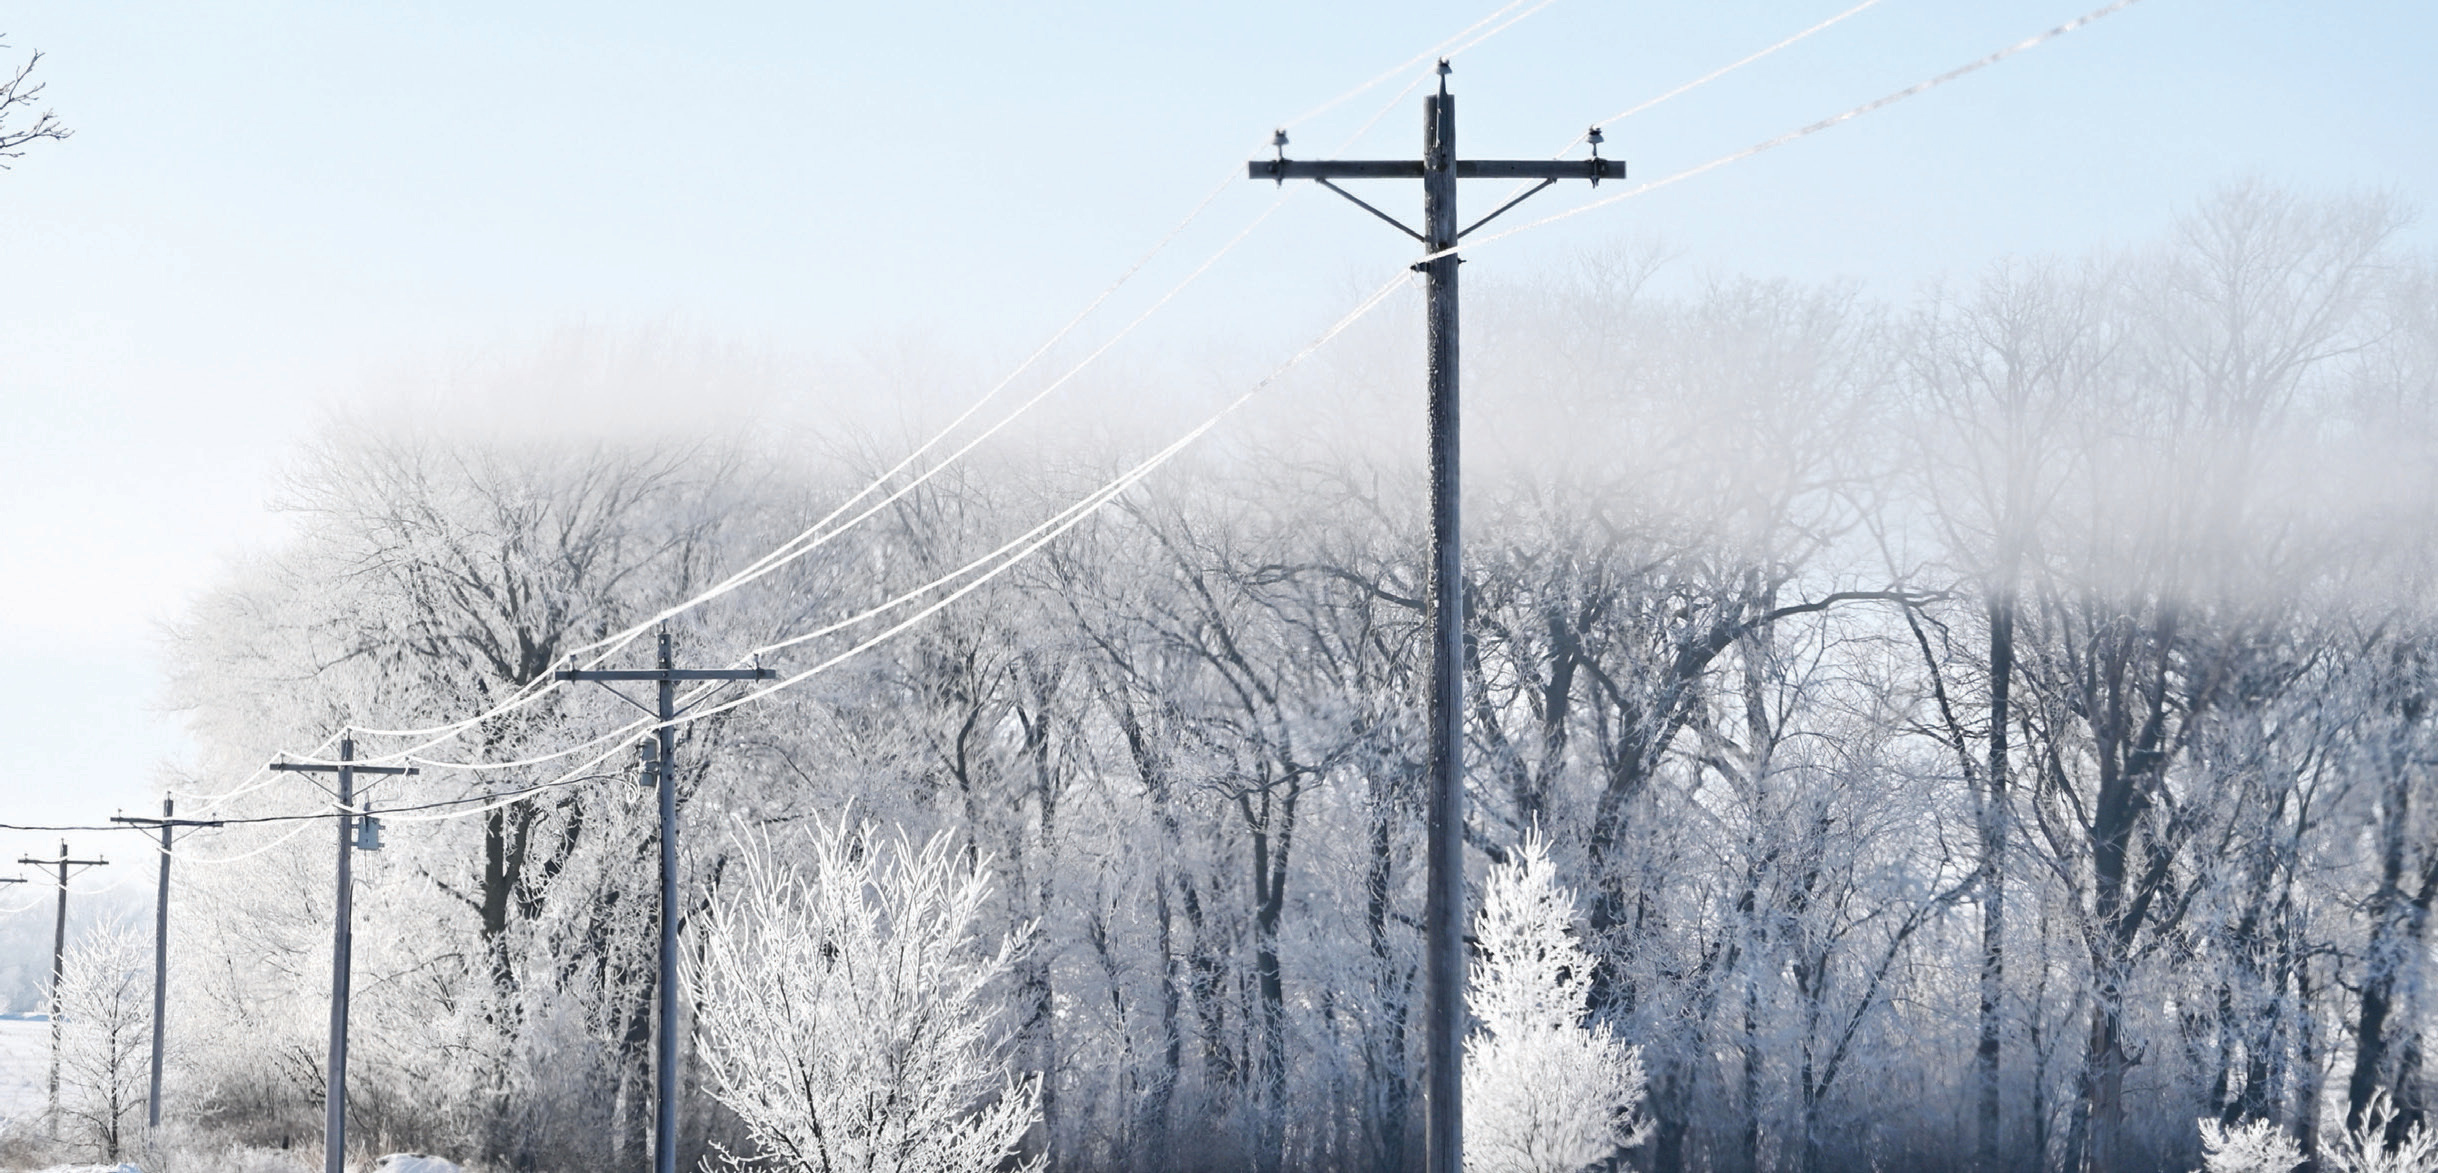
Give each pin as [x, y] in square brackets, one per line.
[1424, 57]
[216, 860]
[1042, 535]
[774, 562]
[1717, 73]
[1067, 519]
[1075, 514]
[1092, 502]
[1059, 525]
[2028, 43]
[262, 776]
[787, 551]
[1518, 18]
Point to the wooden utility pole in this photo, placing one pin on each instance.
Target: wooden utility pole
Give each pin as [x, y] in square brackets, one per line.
[160, 945]
[342, 944]
[59, 950]
[664, 776]
[1443, 912]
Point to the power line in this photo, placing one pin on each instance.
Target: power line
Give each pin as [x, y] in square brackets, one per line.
[785, 553]
[2028, 43]
[1041, 535]
[1066, 519]
[1718, 73]
[1424, 57]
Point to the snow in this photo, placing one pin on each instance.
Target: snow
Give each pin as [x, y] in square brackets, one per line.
[415, 1163]
[25, 1055]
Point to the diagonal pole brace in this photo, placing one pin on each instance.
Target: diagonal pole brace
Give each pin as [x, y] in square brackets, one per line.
[1393, 222]
[1534, 190]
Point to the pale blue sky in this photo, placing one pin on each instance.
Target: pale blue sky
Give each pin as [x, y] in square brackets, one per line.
[268, 205]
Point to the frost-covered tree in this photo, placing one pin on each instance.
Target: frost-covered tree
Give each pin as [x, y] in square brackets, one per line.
[1545, 1091]
[846, 1007]
[105, 992]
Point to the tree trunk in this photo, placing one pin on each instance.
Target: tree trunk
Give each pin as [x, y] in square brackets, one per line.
[1384, 1060]
[1993, 884]
[2104, 1066]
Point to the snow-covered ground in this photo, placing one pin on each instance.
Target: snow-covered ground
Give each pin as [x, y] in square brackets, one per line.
[25, 1056]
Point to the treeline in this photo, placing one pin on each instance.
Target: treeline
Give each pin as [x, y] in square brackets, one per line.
[1988, 732]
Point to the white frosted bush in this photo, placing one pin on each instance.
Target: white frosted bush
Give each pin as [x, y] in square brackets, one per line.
[2255, 1146]
[844, 1009]
[1543, 1091]
[2365, 1149]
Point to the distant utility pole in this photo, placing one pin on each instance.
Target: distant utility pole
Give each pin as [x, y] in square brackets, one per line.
[1444, 904]
[663, 768]
[59, 948]
[342, 943]
[160, 944]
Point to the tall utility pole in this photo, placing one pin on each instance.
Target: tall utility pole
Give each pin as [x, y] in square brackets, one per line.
[160, 945]
[1443, 912]
[664, 777]
[342, 944]
[59, 949]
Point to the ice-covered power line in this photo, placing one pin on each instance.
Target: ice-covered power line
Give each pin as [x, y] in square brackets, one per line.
[1697, 83]
[1443, 48]
[1719, 72]
[1509, 23]
[812, 536]
[261, 777]
[773, 563]
[821, 531]
[1076, 514]
[989, 567]
[2032, 42]
[997, 562]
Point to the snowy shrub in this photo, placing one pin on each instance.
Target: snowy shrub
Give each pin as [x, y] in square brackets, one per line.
[105, 1038]
[1543, 1091]
[2364, 1149]
[2253, 1147]
[844, 1009]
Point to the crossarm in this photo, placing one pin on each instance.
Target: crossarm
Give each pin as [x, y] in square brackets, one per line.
[1283, 169]
[673, 674]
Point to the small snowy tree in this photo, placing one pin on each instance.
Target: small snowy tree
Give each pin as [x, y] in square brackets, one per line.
[843, 1010]
[2252, 1147]
[105, 1000]
[1543, 1091]
[2365, 1148]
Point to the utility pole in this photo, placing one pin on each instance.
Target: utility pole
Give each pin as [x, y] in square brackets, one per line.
[160, 945]
[1444, 904]
[663, 768]
[342, 944]
[59, 949]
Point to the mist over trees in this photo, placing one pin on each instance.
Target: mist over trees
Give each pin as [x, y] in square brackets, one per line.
[1991, 731]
